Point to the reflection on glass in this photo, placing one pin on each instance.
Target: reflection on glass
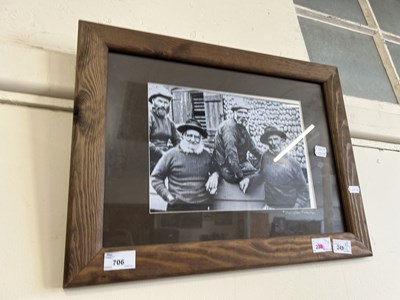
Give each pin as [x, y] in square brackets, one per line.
[345, 9]
[360, 68]
[131, 226]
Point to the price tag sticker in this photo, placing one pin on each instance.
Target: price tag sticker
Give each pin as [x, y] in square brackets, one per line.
[354, 189]
[321, 245]
[342, 246]
[320, 151]
[120, 260]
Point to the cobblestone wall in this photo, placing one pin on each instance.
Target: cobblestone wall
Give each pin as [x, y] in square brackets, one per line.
[284, 116]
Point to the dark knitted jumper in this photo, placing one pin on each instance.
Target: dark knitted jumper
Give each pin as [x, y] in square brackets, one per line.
[187, 175]
[284, 182]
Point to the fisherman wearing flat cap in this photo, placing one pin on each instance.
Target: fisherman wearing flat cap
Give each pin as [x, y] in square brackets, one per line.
[232, 143]
[187, 167]
[284, 183]
[162, 130]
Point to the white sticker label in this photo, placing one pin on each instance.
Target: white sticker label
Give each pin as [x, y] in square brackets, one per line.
[342, 246]
[320, 151]
[354, 189]
[321, 245]
[120, 260]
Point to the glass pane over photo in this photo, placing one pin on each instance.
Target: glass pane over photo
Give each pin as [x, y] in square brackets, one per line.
[361, 71]
[127, 218]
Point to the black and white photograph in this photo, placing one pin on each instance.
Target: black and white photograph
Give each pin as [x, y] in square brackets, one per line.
[211, 150]
[220, 151]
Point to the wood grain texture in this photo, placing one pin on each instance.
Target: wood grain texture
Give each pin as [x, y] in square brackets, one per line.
[84, 251]
[179, 50]
[85, 207]
[344, 157]
[213, 256]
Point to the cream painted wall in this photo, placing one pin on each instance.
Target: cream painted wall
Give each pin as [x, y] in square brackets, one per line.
[43, 33]
[37, 47]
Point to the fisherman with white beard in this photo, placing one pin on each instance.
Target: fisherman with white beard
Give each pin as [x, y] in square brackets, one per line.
[187, 168]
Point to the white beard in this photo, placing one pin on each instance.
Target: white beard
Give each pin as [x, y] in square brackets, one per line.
[187, 148]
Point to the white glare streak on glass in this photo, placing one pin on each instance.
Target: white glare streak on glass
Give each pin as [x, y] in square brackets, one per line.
[294, 142]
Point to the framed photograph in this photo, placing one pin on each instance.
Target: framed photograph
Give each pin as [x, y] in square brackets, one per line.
[192, 158]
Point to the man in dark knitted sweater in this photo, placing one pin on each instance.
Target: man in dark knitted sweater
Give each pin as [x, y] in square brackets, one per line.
[187, 168]
[232, 143]
[284, 182]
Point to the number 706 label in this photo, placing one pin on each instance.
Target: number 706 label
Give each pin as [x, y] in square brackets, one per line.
[119, 260]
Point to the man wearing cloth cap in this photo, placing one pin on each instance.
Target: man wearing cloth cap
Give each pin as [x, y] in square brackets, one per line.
[232, 142]
[284, 183]
[162, 130]
[187, 168]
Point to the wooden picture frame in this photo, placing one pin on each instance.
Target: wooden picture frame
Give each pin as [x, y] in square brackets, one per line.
[84, 255]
